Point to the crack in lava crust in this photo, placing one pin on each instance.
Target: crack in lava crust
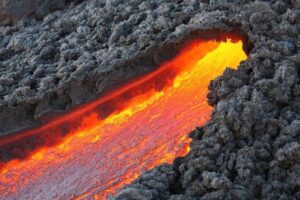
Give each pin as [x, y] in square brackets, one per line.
[132, 129]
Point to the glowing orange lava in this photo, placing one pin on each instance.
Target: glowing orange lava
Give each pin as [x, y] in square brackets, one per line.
[112, 140]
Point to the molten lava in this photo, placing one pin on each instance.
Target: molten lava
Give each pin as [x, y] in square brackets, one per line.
[111, 141]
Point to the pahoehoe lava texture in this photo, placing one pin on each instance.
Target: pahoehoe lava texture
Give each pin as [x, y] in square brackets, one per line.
[251, 147]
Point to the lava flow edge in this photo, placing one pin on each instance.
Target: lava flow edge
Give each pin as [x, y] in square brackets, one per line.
[121, 111]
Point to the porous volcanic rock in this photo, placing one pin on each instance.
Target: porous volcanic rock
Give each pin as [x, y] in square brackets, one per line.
[13, 10]
[76, 54]
[250, 149]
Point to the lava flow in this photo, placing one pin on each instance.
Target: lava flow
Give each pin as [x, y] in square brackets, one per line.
[111, 141]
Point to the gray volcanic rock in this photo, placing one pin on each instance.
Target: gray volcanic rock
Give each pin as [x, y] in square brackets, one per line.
[76, 54]
[13, 10]
[250, 149]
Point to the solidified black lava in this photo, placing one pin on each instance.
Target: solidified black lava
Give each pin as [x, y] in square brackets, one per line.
[251, 147]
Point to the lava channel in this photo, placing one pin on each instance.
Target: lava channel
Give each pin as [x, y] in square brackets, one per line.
[109, 142]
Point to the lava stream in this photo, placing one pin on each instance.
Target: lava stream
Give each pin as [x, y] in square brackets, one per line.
[130, 130]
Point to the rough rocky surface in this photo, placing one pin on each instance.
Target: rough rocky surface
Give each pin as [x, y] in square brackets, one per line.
[74, 55]
[13, 10]
[251, 147]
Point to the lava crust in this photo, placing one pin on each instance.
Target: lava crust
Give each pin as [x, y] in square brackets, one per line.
[250, 149]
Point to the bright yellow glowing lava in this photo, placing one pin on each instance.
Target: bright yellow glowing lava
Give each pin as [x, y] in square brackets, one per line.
[146, 130]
